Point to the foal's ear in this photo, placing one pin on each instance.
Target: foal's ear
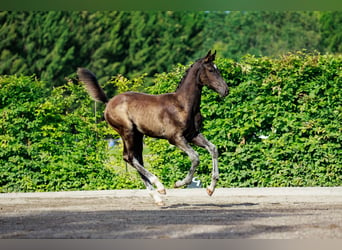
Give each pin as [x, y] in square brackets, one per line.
[213, 56]
[210, 57]
[207, 57]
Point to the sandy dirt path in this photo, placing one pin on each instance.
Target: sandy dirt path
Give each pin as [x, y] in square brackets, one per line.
[262, 213]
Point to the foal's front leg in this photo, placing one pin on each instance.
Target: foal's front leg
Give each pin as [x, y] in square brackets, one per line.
[181, 143]
[201, 141]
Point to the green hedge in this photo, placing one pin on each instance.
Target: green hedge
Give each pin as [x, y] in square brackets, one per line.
[49, 140]
[279, 126]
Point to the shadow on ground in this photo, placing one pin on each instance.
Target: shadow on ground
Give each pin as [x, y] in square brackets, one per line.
[176, 221]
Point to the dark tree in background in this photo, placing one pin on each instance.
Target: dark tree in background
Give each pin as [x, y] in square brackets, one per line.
[52, 44]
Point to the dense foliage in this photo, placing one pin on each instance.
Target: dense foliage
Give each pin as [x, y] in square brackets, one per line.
[52, 44]
[49, 139]
[279, 126]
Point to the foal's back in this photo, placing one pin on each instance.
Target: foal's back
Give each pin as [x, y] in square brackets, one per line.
[153, 115]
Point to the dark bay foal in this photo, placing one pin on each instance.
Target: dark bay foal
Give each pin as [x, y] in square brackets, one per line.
[173, 116]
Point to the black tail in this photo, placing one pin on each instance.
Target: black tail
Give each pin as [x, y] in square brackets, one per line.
[92, 85]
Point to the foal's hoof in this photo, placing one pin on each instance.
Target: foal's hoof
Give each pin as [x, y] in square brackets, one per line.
[162, 191]
[160, 203]
[178, 184]
[210, 192]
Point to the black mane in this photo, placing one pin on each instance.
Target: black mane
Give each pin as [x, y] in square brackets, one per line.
[186, 73]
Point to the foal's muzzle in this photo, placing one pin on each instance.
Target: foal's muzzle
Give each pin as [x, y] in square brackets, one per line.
[224, 93]
[223, 90]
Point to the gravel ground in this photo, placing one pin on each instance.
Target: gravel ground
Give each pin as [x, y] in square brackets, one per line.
[260, 213]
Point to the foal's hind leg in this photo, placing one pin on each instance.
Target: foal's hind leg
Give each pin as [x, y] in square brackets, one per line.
[201, 141]
[133, 146]
[157, 199]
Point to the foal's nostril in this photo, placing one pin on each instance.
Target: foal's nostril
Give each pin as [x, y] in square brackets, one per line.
[225, 92]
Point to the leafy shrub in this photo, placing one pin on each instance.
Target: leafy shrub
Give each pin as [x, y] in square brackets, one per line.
[279, 126]
[49, 140]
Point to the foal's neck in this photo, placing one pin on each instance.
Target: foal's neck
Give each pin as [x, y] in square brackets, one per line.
[190, 90]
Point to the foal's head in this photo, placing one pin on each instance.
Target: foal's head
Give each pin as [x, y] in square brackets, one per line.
[210, 76]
